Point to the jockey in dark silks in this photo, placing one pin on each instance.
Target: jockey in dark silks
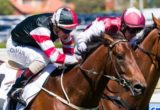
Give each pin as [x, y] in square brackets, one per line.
[130, 23]
[31, 44]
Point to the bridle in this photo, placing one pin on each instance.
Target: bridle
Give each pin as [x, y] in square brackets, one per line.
[118, 78]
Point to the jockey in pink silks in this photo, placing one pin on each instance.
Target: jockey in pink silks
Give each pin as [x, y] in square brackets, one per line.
[130, 23]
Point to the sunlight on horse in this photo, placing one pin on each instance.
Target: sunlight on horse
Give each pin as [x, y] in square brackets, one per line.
[148, 58]
[82, 86]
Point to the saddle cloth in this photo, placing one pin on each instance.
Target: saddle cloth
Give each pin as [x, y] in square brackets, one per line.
[10, 75]
[33, 88]
[30, 90]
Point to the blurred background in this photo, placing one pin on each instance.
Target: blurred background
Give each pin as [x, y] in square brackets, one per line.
[14, 11]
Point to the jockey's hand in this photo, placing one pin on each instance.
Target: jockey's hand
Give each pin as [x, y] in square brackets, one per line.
[78, 57]
[70, 60]
[81, 47]
[77, 54]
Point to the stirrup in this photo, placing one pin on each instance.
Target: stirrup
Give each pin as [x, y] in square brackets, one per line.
[16, 95]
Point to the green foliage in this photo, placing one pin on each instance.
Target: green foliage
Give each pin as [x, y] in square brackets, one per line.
[2, 45]
[5, 7]
[88, 6]
[58, 44]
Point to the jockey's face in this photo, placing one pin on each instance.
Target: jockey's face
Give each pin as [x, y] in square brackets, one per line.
[128, 35]
[131, 32]
[62, 33]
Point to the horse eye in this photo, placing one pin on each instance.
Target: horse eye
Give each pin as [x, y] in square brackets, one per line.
[120, 57]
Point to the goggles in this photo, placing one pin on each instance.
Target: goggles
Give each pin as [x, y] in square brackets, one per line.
[134, 30]
[65, 31]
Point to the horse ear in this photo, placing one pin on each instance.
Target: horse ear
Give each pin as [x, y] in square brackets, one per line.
[156, 21]
[107, 37]
[121, 35]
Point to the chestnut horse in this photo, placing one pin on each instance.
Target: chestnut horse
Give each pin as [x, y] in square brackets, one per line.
[148, 57]
[81, 87]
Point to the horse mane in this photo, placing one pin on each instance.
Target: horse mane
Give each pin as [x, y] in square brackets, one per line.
[92, 45]
[96, 41]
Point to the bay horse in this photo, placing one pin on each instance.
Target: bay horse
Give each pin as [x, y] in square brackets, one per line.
[148, 57]
[81, 87]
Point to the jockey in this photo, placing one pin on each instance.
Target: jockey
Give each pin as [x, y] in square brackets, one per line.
[31, 44]
[131, 22]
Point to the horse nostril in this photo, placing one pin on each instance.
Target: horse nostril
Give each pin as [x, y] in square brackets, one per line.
[139, 88]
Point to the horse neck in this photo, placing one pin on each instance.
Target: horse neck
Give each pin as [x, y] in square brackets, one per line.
[149, 41]
[96, 60]
[83, 89]
[93, 84]
[151, 67]
[150, 44]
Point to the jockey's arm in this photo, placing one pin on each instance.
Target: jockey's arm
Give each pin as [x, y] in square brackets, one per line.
[96, 29]
[43, 39]
[68, 45]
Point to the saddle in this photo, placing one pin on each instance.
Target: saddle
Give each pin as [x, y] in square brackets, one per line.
[34, 86]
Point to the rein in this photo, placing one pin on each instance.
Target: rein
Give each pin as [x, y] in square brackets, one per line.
[67, 102]
[148, 52]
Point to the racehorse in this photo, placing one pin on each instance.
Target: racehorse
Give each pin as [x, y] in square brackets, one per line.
[82, 86]
[148, 57]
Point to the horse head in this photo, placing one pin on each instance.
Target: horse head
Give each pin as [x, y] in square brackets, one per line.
[122, 62]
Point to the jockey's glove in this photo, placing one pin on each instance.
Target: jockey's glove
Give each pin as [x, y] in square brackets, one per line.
[81, 47]
[70, 60]
[78, 56]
